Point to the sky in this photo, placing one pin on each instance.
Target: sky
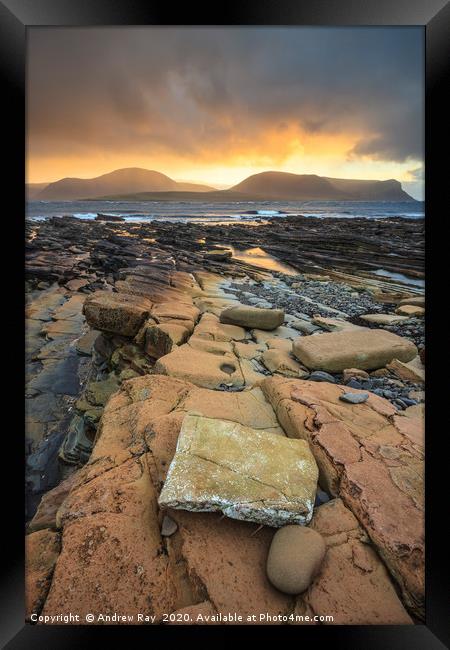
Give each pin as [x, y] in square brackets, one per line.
[215, 105]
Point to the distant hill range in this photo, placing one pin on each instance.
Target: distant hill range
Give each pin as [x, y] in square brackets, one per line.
[134, 184]
[120, 181]
[310, 187]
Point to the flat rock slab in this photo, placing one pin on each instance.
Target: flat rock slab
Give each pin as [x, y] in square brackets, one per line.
[219, 254]
[252, 317]
[366, 349]
[414, 300]
[61, 328]
[42, 306]
[59, 377]
[76, 284]
[119, 313]
[111, 557]
[212, 329]
[282, 332]
[246, 473]
[334, 324]
[85, 343]
[281, 362]
[201, 368]
[179, 310]
[383, 319]
[410, 310]
[71, 309]
[412, 371]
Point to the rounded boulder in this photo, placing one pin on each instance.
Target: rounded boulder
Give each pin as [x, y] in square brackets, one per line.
[295, 557]
[252, 317]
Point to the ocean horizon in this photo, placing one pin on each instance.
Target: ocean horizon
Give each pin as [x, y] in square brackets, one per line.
[198, 211]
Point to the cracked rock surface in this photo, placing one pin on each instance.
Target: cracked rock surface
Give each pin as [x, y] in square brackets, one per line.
[246, 473]
[370, 456]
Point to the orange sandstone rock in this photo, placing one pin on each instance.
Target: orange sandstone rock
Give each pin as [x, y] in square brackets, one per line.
[41, 552]
[353, 584]
[370, 456]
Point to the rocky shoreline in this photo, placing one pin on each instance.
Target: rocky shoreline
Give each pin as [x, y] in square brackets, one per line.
[148, 345]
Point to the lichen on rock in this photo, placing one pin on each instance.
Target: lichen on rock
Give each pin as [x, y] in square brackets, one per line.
[246, 473]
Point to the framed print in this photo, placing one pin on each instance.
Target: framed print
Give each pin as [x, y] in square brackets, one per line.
[227, 242]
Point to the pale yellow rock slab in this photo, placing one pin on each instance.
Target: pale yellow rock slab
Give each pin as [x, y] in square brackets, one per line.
[246, 473]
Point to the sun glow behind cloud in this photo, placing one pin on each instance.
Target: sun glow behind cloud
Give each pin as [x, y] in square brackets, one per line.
[216, 105]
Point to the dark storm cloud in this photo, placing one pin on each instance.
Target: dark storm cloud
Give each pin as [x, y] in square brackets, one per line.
[203, 91]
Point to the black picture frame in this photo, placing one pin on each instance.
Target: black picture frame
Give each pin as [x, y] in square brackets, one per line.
[16, 17]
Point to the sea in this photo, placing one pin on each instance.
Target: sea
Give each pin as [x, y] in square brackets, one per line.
[227, 212]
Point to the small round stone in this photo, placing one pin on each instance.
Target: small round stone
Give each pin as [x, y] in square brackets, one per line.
[295, 557]
[169, 526]
[354, 398]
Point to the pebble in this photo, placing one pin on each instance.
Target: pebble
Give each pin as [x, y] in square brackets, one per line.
[169, 526]
[408, 401]
[320, 375]
[353, 383]
[354, 398]
[321, 497]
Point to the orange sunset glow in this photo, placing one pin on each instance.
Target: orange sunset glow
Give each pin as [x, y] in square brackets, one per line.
[214, 105]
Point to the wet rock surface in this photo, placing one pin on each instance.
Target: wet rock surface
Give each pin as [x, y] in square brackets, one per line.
[105, 407]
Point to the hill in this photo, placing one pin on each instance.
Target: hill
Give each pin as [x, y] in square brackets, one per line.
[128, 180]
[33, 189]
[310, 187]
